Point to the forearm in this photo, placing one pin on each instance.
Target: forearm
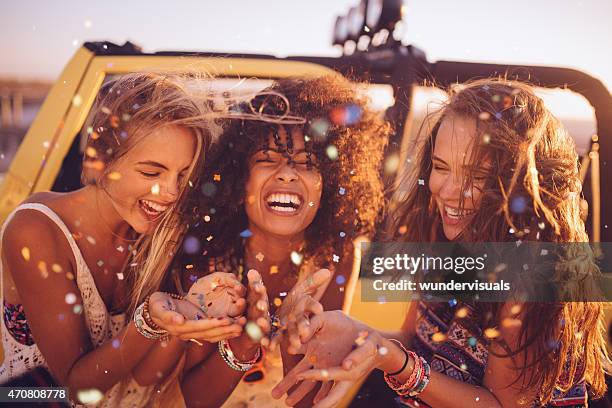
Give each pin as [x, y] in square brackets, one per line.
[159, 362]
[442, 390]
[219, 378]
[110, 363]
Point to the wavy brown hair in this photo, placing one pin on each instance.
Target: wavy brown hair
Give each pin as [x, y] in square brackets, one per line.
[534, 160]
[352, 196]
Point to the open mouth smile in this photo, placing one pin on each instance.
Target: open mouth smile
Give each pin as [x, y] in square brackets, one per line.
[152, 209]
[285, 203]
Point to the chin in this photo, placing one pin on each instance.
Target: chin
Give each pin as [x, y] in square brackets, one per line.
[450, 232]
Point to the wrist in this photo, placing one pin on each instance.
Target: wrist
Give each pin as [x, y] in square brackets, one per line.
[394, 359]
[243, 347]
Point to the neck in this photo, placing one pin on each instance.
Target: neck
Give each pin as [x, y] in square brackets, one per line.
[265, 250]
[114, 226]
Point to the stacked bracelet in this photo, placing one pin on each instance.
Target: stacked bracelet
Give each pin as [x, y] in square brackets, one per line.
[230, 359]
[418, 379]
[152, 333]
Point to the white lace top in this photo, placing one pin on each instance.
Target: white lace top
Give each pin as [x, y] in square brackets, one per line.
[20, 358]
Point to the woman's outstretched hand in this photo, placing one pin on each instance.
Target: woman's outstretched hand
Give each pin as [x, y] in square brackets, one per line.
[329, 338]
[297, 309]
[185, 320]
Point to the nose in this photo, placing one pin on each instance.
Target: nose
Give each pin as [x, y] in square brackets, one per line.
[451, 189]
[172, 188]
[286, 173]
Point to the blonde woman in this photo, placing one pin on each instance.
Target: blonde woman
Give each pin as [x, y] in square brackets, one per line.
[76, 266]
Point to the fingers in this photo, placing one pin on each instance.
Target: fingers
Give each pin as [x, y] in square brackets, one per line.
[238, 308]
[300, 392]
[213, 334]
[329, 374]
[290, 379]
[364, 353]
[315, 281]
[316, 323]
[323, 391]
[335, 396]
[194, 326]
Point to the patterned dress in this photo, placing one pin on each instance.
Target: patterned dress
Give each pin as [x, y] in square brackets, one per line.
[456, 347]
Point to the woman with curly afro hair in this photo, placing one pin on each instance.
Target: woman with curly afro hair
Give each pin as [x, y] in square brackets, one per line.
[285, 194]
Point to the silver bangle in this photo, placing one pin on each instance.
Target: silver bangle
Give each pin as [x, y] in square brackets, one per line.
[144, 329]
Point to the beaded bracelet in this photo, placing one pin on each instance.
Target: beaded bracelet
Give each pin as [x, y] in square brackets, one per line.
[418, 379]
[147, 315]
[144, 329]
[230, 359]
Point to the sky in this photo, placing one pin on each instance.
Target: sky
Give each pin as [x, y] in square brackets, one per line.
[38, 37]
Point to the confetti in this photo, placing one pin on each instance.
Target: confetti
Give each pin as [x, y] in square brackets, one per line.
[114, 122]
[541, 225]
[100, 263]
[209, 238]
[336, 258]
[207, 218]
[421, 182]
[495, 98]
[342, 234]
[115, 175]
[116, 343]
[491, 333]
[463, 367]
[217, 177]
[472, 341]
[91, 152]
[486, 138]
[70, 298]
[25, 253]
[253, 331]
[190, 266]
[91, 240]
[311, 204]
[191, 245]
[510, 323]
[312, 359]
[515, 309]
[392, 164]
[296, 257]
[278, 302]
[438, 337]
[347, 115]
[332, 152]
[56, 268]
[318, 129]
[77, 100]
[155, 189]
[340, 280]
[69, 276]
[77, 309]
[361, 337]
[246, 233]
[89, 396]
[383, 351]
[341, 191]
[120, 276]
[518, 205]
[273, 269]
[209, 190]
[42, 268]
[484, 116]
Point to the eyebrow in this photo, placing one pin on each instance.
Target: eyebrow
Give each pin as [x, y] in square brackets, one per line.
[158, 165]
[279, 151]
[439, 159]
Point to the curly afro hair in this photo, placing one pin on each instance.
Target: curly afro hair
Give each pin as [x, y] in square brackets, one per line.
[348, 141]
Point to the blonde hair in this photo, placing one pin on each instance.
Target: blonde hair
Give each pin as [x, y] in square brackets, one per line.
[129, 108]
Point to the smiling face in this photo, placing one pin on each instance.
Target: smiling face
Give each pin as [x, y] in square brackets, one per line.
[282, 193]
[452, 151]
[146, 181]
